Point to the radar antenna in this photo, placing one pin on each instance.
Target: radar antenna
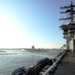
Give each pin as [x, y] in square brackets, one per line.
[69, 10]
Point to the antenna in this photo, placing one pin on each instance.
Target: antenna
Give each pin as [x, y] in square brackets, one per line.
[70, 10]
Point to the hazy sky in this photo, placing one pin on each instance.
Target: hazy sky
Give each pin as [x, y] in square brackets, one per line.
[24, 23]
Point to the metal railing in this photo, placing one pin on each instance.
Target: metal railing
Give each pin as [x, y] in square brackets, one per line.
[59, 59]
[42, 67]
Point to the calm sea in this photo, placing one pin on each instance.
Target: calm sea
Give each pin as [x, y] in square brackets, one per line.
[12, 59]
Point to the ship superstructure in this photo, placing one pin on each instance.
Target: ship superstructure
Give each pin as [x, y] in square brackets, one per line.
[69, 28]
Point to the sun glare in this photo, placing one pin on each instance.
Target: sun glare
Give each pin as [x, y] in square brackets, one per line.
[12, 36]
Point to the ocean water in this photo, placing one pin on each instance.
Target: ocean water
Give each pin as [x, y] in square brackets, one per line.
[12, 59]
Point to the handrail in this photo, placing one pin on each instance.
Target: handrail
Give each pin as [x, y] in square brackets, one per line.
[55, 63]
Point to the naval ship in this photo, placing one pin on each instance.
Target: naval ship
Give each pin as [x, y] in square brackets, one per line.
[48, 66]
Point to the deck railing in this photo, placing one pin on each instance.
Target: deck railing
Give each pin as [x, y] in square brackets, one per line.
[50, 69]
[42, 67]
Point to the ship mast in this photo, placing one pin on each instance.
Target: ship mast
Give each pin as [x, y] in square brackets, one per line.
[69, 29]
